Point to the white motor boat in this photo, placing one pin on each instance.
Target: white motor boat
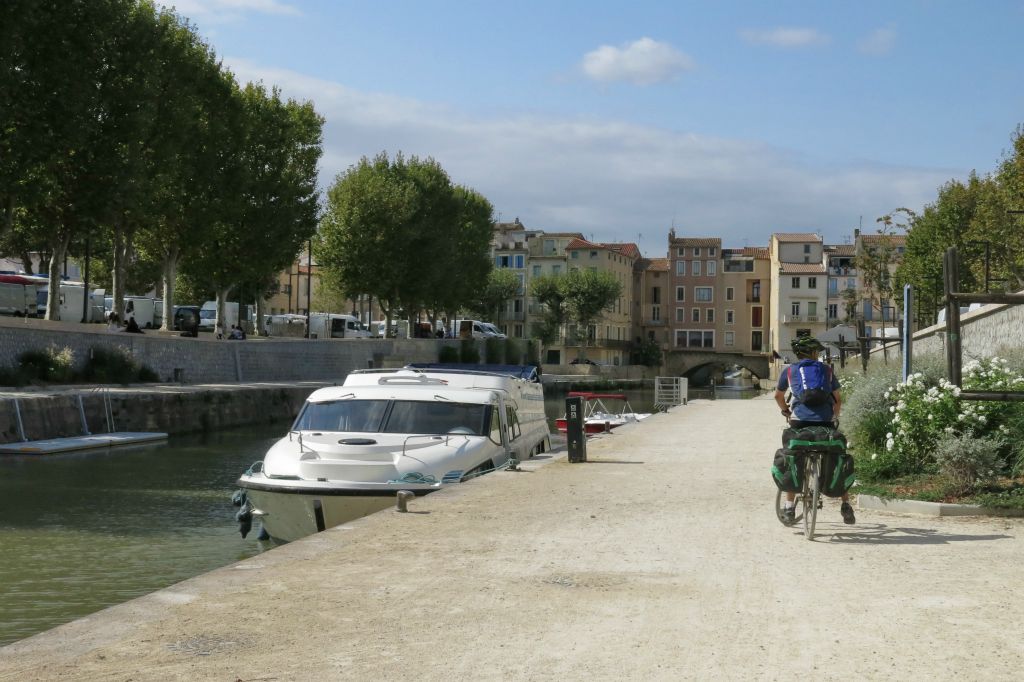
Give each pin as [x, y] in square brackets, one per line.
[597, 418]
[354, 446]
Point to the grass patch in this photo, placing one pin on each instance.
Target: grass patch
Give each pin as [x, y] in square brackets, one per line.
[1002, 493]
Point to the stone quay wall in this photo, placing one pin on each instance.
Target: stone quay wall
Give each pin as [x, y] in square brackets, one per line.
[208, 360]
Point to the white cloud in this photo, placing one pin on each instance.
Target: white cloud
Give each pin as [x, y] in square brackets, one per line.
[224, 11]
[788, 37]
[879, 42]
[607, 179]
[642, 62]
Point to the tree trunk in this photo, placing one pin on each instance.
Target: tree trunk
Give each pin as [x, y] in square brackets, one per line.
[222, 297]
[56, 260]
[117, 272]
[170, 270]
[258, 327]
[26, 263]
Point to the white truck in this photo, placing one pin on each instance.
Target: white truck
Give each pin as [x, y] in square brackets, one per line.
[17, 296]
[475, 329]
[208, 316]
[143, 309]
[335, 326]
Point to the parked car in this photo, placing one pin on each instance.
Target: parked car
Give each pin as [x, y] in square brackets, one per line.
[184, 317]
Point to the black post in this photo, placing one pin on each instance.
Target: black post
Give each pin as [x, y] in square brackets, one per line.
[575, 429]
[951, 272]
[87, 307]
[309, 282]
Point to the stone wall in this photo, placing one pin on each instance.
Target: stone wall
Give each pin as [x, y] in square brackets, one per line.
[986, 332]
[207, 360]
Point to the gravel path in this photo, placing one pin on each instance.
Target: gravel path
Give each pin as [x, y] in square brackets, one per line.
[658, 559]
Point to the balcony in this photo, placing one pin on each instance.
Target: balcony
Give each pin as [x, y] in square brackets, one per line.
[792, 319]
[753, 299]
[811, 318]
[843, 272]
[654, 323]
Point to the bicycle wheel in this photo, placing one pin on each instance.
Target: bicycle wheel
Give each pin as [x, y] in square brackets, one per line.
[778, 510]
[811, 494]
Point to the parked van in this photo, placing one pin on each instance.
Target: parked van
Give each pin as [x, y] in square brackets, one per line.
[335, 326]
[475, 329]
[142, 308]
[208, 316]
[17, 296]
[71, 301]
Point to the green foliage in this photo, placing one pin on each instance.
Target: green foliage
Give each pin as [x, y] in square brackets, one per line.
[966, 460]
[112, 366]
[448, 354]
[469, 353]
[647, 353]
[502, 285]
[579, 297]
[398, 230]
[494, 350]
[895, 428]
[55, 365]
[513, 352]
[533, 353]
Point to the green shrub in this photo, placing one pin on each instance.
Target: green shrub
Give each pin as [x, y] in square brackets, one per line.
[448, 354]
[11, 376]
[966, 460]
[110, 366]
[533, 352]
[51, 364]
[493, 350]
[513, 352]
[468, 352]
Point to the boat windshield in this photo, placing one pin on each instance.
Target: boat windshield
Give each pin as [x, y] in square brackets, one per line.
[405, 416]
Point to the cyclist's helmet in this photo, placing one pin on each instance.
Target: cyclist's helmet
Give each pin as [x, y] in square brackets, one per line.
[807, 345]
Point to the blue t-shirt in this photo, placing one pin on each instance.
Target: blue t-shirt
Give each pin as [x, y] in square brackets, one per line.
[806, 413]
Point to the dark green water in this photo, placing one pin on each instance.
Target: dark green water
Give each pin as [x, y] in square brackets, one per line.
[80, 532]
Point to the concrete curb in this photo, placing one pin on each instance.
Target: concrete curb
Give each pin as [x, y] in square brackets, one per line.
[930, 508]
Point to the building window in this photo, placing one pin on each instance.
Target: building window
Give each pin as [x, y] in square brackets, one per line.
[695, 315]
[807, 248]
[812, 311]
[703, 294]
[680, 338]
[695, 267]
[680, 251]
[851, 282]
[593, 254]
[574, 254]
[549, 247]
[521, 278]
[656, 295]
[755, 291]
[833, 311]
[812, 282]
[757, 341]
[711, 267]
[518, 331]
[711, 252]
[833, 286]
[695, 339]
[730, 317]
[795, 308]
[680, 293]
[536, 271]
[730, 339]
[680, 314]
[556, 269]
[696, 252]
[680, 267]
[756, 316]
[655, 313]
[730, 294]
[709, 314]
[796, 283]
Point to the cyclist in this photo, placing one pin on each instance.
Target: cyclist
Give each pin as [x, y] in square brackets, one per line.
[800, 415]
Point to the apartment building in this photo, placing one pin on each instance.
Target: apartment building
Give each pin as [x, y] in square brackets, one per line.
[842, 285]
[608, 341]
[745, 292]
[510, 248]
[651, 303]
[798, 295]
[694, 288]
[879, 313]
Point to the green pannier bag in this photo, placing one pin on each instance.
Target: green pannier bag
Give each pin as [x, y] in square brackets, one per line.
[820, 438]
[788, 470]
[837, 474]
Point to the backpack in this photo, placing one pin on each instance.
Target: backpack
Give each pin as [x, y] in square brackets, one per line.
[813, 384]
[788, 470]
[836, 474]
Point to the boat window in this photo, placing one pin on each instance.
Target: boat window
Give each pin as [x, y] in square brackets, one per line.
[342, 415]
[417, 416]
[495, 433]
[513, 423]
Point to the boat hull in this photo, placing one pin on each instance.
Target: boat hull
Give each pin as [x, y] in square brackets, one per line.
[290, 512]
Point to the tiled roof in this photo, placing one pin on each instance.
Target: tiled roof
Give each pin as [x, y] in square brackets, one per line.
[628, 249]
[577, 235]
[841, 250]
[797, 237]
[579, 243]
[657, 264]
[758, 252]
[893, 238]
[801, 269]
[696, 241]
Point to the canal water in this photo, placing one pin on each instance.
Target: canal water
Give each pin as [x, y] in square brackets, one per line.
[81, 532]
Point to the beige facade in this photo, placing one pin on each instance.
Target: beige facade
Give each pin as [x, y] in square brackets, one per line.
[652, 304]
[799, 292]
[881, 317]
[546, 257]
[746, 290]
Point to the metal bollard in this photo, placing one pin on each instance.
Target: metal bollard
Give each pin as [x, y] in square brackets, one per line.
[403, 499]
[575, 430]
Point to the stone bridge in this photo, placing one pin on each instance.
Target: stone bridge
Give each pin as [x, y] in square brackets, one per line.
[686, 362]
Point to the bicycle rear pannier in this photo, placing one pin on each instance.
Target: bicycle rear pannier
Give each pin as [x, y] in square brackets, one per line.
[788, 470]
[819, 438]
[837, 474]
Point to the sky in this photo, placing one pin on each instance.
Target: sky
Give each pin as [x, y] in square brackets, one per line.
[622, 120]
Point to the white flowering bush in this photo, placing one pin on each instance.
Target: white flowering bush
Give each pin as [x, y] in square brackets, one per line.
[912, 417]
[966, 460]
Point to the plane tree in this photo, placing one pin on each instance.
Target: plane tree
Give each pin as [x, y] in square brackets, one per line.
[579, 297]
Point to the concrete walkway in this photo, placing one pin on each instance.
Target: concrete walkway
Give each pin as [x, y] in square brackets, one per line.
[659, 559]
